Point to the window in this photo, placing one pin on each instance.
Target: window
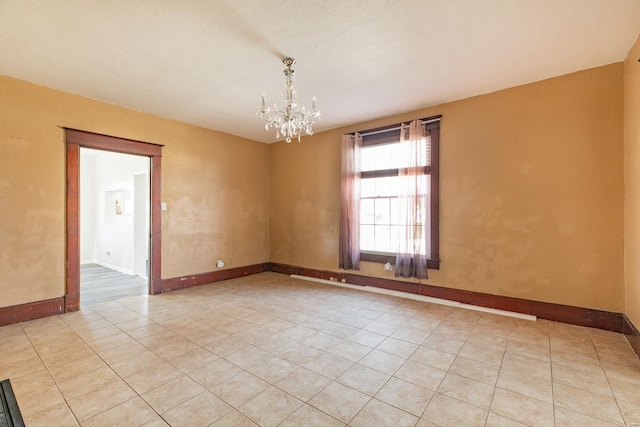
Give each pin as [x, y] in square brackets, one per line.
[384, 209]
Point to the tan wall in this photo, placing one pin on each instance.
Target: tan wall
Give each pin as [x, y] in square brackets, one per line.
[531, 192]
[215, 185]
[632, 183]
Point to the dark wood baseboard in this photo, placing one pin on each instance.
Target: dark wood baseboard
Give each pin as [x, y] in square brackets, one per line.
[189, 281]
[632, 334]
[599, 319]
[31, 311]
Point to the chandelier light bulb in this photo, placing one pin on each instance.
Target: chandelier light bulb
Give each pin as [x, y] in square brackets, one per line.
[289, 120]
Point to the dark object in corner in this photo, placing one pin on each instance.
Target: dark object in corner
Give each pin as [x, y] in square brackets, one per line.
[9, 412]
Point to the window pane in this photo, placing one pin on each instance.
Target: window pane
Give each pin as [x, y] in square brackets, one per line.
[383, 156]
[382, 211]
[368, 187]
[367, 211]
[400, 155]
[383, 238]
[384, 186]
[394, 245]
[368, 158]
[367, 238]
[393, 205]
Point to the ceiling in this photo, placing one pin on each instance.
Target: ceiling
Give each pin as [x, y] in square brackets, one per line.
[206, 62]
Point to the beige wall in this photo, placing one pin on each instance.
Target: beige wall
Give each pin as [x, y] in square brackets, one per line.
[215, 185]
[531, 192]
[632, 183]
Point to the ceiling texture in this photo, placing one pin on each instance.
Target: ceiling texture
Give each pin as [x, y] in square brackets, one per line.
[206, 62]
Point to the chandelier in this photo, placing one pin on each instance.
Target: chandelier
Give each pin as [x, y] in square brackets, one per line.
[289, 119]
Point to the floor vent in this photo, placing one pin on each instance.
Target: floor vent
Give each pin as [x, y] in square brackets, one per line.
[9, 412]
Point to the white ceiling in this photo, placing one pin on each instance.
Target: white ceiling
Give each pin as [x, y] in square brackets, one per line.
[206, 62]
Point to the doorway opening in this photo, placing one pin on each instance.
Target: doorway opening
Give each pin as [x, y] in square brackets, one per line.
[152, 154]
[114, 226]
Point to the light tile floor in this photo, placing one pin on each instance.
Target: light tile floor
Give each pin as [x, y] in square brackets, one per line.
[274, 351]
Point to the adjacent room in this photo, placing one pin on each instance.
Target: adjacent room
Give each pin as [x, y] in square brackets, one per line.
[318, 213]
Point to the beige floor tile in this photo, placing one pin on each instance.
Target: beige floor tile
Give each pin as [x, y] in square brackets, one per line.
[152, 377]
[234, 419]
[422, 375]
[193, 360]
[370, 339]
[303, 384]
[126, 351]
[214, 373]
[67, 371]
[589, 378]
[495, 420]
[322, 341]
[521, 408]
[492, 341]
[526, 365]
[309, 416]
[349, 350]
[201, 411]
[157, 421]
[171, 394]
[405, 395]
[135, 364]
[482, 353]
[272, 369]
[363, 379]
[133, 412]
[299, 353]
[567, 418]
[535, 351]
[175, 349]
[87, 382]
[270, 407]
[381, 328]
[226, 346]
[622, 372]
[89, 334]
[536, 388]
[432, 357]
[585, 402]
[625, 391]
[467, 390]
[329, 365]
[59, 415]
[35, 392]
[14, 365]
[340, 401]
[397, 347]
[383, 362]
[336, 329]
[475, 370]
[240, 388]
[630, 413]
[100, 400]
[247, 356]
[445, 411]
[103, 344]
[442, 343]
[412, 336]
[275, 344]
[573, 359]
[377, 413]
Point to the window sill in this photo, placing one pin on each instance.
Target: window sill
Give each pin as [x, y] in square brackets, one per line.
[383, 258]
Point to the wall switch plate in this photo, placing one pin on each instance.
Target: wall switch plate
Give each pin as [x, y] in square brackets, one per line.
[163, 206]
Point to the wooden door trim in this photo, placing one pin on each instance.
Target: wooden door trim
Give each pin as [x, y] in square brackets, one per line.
[75, 139]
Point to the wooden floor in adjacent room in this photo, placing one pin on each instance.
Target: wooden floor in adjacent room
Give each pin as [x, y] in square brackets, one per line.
[101, 284]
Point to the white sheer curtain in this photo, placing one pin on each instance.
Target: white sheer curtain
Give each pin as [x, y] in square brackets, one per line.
[413, 202]
[350, 214]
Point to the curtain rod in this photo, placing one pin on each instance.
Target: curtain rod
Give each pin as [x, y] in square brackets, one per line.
[375, 132]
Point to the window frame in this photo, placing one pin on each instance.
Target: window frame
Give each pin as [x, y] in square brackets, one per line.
[389, 134]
